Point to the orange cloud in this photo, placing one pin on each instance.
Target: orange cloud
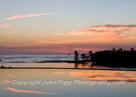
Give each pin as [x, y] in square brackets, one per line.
[106, 33]
[27, 91]
[5, 25]
[26, 16]
[50, 42]
[95, 39]
[94, 32]
[5, 82]
[101, 30]
[65, 41]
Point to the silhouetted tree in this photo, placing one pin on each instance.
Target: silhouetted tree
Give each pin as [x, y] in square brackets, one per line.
[113, 49]
[132, 49]
[76, 55]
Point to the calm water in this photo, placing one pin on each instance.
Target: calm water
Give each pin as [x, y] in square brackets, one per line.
[30, 60]
[7, 89]
[33, 58]
[60, 82]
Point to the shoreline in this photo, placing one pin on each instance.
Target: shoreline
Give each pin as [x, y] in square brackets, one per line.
[68, 68]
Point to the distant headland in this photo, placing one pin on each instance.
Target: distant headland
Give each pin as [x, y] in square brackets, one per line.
[110, 58]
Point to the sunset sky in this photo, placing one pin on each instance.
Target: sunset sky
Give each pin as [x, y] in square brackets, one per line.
[62, 26]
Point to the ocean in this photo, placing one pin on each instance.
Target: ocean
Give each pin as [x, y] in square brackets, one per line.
[32, 59]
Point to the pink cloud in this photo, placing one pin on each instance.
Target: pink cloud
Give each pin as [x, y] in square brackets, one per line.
[113, 27]
[26, 16]
[65, 41]
[101, 30]
[5, 25]
[94, 32]
[27, 91]
[104, 31]
[95, 38]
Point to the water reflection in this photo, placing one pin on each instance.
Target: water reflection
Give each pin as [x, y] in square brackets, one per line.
[83, 65]
[8, 89]
[106, 75]
[89, 65]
